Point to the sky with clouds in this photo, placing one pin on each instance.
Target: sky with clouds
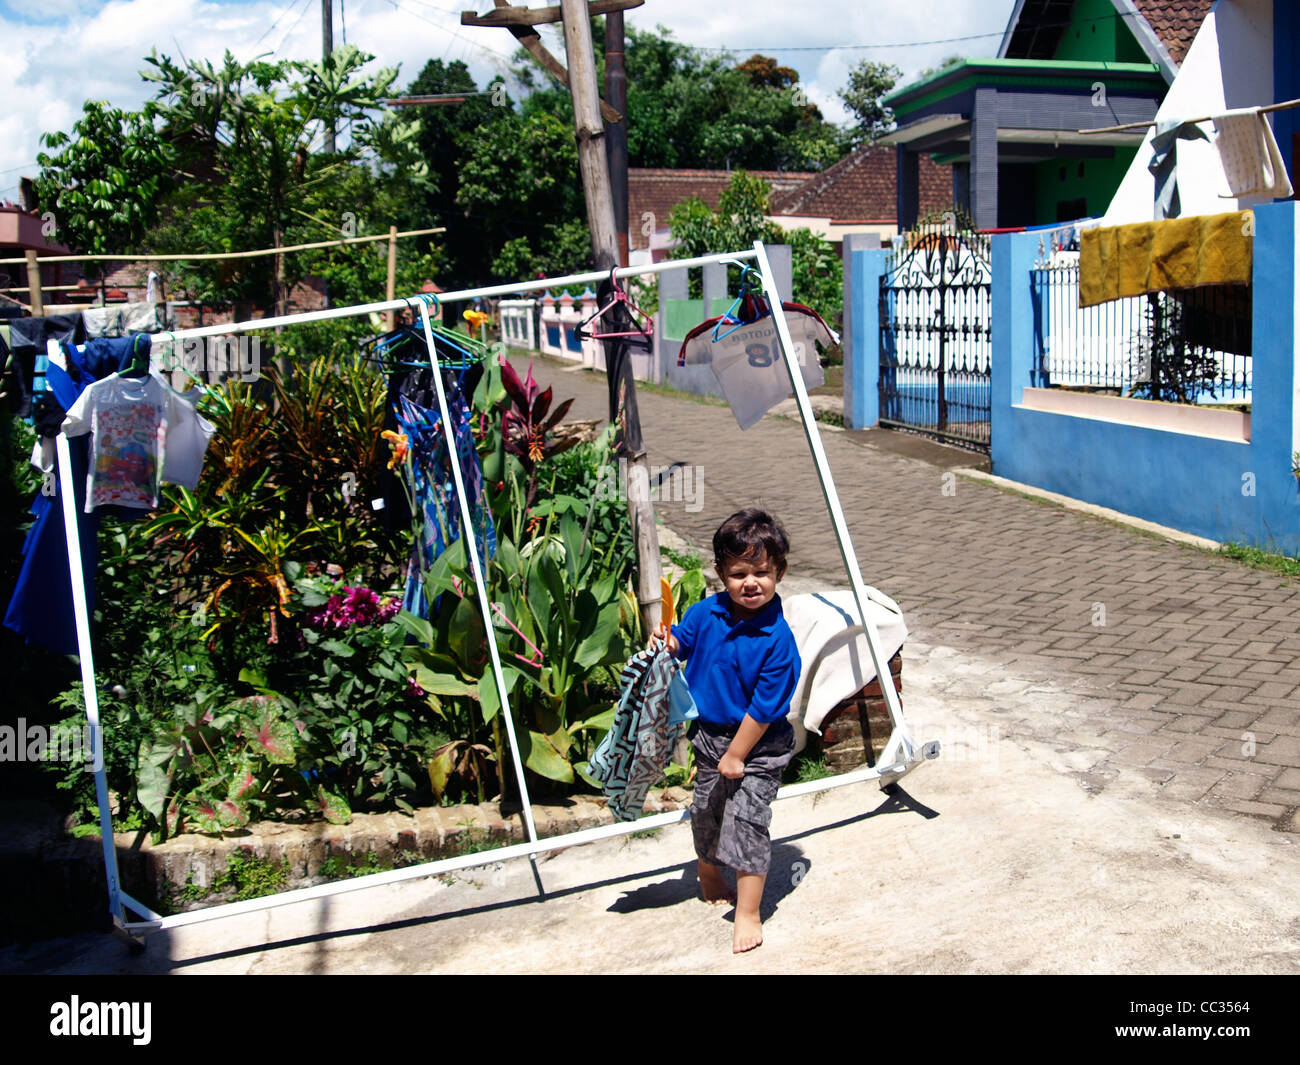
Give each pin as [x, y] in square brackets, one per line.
[62, 52]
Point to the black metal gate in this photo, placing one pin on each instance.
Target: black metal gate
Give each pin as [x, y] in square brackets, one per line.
[935, 333]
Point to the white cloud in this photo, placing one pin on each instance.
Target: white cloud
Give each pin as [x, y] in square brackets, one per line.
[80, 51]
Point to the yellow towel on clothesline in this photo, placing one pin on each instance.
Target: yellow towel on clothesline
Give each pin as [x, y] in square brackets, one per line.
[1209, 249]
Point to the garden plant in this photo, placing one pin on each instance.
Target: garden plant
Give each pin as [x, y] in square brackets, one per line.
[252, 656]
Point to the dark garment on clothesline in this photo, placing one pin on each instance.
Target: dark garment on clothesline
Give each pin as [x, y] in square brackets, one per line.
[435, 491]
[40, 608]
[416, 384]
[27, 339]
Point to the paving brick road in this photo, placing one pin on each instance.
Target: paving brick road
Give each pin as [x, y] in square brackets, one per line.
[1174, 664]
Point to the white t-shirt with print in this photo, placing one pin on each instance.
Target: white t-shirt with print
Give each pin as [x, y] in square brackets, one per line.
[140, 427]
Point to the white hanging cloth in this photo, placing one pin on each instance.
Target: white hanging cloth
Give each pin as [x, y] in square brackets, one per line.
[1251, 159]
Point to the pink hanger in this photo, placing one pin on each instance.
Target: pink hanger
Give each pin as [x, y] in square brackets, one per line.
[617, 296]
[537, 651]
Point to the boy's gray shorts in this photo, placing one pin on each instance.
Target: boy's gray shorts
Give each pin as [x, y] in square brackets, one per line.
[730, 818]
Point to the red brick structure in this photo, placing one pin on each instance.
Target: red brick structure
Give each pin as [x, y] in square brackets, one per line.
[855, 732]
[856, 194]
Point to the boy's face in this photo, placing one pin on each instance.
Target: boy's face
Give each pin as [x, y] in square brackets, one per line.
[750, 582]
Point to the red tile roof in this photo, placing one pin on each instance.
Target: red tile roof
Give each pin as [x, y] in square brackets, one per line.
[862, 187]
[1175, 22]
[656, 192]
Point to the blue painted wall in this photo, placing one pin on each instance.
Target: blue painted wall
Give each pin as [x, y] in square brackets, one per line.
[1193, 483]
[1188, 482]
[862, 378]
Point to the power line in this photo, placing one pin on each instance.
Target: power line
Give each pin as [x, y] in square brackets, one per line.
[906, 44]
[289, 32]
[846, 47]
[277, 22]
[471, 41]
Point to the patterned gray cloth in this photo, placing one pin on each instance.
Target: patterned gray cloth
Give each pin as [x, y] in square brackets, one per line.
[730, 818]
[647, 725]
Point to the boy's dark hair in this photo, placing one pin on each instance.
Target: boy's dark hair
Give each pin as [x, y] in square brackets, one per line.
[748, 533]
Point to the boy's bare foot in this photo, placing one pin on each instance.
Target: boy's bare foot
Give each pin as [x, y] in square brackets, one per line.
[747, 934]
[713, 887]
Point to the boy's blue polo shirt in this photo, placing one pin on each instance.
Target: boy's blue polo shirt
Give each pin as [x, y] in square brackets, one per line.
[737, 667]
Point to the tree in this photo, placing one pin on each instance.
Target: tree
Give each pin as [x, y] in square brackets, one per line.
[868, 82]
[106, 183]
[763, 70]
[245, 134]
[740, 219]
[689, 109]
[446, 135]
[519, 182]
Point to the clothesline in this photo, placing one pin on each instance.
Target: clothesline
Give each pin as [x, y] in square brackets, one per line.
[901, 753]
[149, 257]
[1146, 125]
[458, 296]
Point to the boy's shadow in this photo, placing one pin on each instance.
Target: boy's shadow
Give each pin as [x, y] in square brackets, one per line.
[789, 866]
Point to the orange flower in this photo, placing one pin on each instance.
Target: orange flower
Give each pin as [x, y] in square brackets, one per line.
[476, 318]
[401, 447]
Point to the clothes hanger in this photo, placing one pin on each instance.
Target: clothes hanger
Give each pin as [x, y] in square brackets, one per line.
[617, 296]
[139, 359]
[745, 308]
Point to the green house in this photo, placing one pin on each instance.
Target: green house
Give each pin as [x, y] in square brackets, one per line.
[1009, 126]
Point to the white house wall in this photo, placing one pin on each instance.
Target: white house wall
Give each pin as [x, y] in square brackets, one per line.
[1229, 65]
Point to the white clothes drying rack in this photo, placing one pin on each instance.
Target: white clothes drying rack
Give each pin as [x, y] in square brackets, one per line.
[901, 754]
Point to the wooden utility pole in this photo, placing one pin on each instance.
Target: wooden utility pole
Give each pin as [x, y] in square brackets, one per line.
[327, 49]
[594, 167]
[616, 132]
[520, 22]
[592, 164]
[581, 54]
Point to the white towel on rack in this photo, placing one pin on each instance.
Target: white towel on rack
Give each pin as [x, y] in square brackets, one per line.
[1248, 151]
[833, 648]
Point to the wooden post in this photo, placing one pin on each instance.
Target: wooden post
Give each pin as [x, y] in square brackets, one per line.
[616, 132]
[580, 53]
[592, 164]
[390, 288]
[281, 308]
[34, 295]
[327, 49]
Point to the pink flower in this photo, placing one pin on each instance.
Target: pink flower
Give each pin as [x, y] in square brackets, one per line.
[357, 605]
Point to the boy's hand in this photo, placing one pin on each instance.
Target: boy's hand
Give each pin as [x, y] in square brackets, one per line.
[731, 767]
[663, 632]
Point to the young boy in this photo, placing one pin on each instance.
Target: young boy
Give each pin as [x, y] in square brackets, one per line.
[742, 665]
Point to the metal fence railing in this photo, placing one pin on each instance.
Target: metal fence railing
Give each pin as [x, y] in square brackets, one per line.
[1183, 346]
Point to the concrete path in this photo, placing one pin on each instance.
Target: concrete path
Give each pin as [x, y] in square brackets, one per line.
[1117, 791]
[991, 860]
[1191, 662]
